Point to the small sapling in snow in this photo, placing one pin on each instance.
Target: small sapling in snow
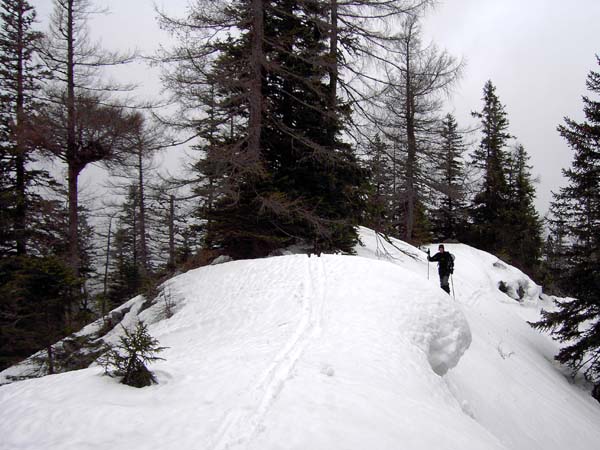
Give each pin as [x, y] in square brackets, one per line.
[128, 358]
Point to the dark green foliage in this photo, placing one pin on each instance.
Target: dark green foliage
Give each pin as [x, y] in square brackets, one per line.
[127, 276]
[128, 359]
[282, 175]
[310, 165]
[555, 263]
[35, 294]
[503, 217]
[381, 212]
[576, 250]
[488, 211]
[448, 218]
[19, 86]
[523, 242]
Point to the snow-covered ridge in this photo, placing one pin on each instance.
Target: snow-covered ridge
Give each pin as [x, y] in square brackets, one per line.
[336, 352]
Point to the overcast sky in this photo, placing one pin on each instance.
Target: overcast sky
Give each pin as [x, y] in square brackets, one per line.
[536, 52]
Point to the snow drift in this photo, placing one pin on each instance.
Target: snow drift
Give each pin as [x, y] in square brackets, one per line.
[336, 352]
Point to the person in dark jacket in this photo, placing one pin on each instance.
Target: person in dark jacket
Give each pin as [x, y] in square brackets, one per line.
[445, 262]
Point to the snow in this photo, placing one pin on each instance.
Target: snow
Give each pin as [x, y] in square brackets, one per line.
[336, 352]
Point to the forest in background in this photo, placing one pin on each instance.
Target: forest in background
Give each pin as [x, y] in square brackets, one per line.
[305, 119]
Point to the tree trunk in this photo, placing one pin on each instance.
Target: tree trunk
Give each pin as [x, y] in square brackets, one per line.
[71, 156]
[411, 158]
[134, 236]
[256, 95]
[105, 291]
[74, 257]
[142, 219]
[20, 210]
[172, 232]
[333, 69]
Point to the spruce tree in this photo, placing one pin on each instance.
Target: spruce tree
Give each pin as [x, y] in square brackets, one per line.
[135, 166]
[448, 216]
[310, 164]
[128, 359]
[576, 321]
[275, 170]
[489, 208]
[127, 275]
[381, 200]
[20, 80]
[524, 241]
[555, 261]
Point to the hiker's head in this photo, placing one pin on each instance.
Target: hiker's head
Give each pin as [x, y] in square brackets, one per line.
[441, 248]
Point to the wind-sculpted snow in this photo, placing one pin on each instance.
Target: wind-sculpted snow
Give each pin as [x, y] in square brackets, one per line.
[507, 381]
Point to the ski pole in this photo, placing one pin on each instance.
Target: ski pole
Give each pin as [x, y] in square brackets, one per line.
[452, 283]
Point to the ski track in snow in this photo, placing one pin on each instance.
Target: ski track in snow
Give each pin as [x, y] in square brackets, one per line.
[324, 353]
[239, 426]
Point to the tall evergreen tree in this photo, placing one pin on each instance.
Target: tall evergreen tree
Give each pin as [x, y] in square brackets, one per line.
[135, 165]
[278, 172]
[302, 143]
[381, 201]
[524, 241]
[127, 275]
[20, 79]
[448, 216]
[489, 208]
[576, 322]
[555, 261]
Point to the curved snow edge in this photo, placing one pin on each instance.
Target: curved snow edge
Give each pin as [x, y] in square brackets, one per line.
[449, 344]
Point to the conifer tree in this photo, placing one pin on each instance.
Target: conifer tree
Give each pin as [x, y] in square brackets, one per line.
[82, 125]
[380, 204]
[555, 261]
[412, 104]
[489, 208]
[576, 321]
[278, 172]
[448, 216]
[135, 165]
[126, 277]
[362, 34]
[20, 79]
[35, 294]
[128, 359]
[524, 240]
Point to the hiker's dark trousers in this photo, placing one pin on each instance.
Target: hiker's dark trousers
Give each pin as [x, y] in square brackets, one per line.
[444, 282]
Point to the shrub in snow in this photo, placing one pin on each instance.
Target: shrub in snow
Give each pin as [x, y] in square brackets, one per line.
[129, 357]
[167, 304]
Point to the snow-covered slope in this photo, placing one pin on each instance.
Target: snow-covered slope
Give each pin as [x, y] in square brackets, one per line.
[335, 352]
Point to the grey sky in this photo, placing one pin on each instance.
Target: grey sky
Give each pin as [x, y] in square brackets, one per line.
[536, 52]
